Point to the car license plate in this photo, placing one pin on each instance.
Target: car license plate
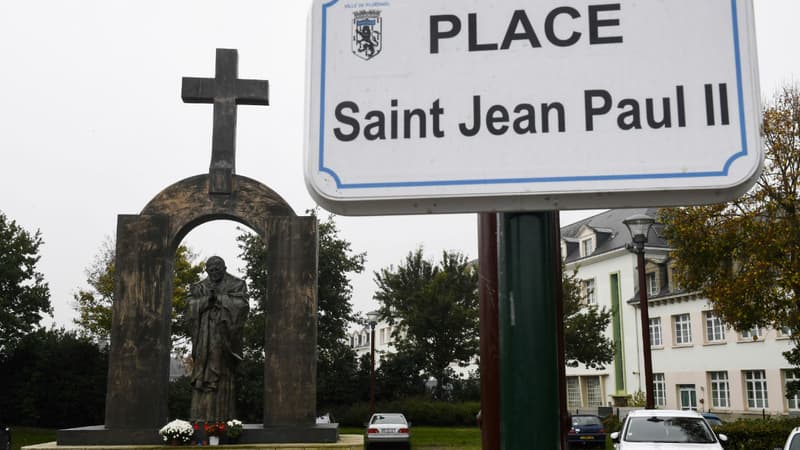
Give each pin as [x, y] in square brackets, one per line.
[390, 430]
[588, 438]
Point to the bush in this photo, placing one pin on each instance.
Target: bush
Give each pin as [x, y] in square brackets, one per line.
[45, 387]
[180, 397]
[419, 411]
[612, 423]
[748, 434]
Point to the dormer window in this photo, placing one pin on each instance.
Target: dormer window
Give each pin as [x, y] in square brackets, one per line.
[587, 246]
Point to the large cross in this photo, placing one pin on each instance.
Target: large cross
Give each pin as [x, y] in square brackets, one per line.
[225, 91]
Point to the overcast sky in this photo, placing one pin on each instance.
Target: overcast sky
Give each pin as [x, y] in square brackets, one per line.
[92, 125]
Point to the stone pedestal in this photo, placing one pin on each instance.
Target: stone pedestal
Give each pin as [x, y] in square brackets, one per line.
[344, 442]
[252, 434]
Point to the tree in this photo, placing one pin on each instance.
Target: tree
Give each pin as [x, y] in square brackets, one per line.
[744, 255]
[584, 328]
[53, 378]
[412, 296]
[436, 307]
[336, 362]
[398, 376]
[24, 295]
[94, 303]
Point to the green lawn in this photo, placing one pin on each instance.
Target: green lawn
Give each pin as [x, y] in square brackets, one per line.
[21, 436]
[431, 438]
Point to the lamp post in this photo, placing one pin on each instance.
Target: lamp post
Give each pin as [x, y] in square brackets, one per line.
[372, 318]
[639, 227]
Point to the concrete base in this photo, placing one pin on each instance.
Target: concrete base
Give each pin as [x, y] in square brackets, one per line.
[345, 442]
[99, 435]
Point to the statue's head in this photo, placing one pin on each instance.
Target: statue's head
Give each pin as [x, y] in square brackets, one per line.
[215, 268]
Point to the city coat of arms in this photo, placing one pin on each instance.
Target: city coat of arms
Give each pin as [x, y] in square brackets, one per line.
[367, 34]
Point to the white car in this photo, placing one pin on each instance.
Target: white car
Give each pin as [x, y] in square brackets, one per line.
[661, 429]
[793, 441]
[387, 428]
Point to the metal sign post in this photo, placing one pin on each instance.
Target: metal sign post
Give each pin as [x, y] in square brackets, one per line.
[531, 330]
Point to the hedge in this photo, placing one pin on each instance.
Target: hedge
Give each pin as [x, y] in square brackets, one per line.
[419, 411]
[751, 434]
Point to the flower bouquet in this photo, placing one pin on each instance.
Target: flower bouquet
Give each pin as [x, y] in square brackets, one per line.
[177, 432]
[234, 429]
[214, 430]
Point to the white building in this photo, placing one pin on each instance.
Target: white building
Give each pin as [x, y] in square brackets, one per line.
[385, 335]
[698, 362]
[359, 340]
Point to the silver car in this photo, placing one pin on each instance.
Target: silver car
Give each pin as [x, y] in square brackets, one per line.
[387, 428]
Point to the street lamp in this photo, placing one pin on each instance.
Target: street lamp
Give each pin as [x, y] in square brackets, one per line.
[639, 227]
[372, 318]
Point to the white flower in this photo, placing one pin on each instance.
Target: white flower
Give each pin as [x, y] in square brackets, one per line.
[235, 428]
[177, 429]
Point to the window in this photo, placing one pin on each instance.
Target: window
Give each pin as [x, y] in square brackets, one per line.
[784, 332]
[753, 334]
[668, 432]
[652, 284]
[755, 383]
[593, 391]
[687, 397]
[589, 291]
[659, 389]
[655, 332]
[715, 331]
[793, 401]
[383, 336]
[683, 329]
[573, 393]
[720, 391]
[587, 246]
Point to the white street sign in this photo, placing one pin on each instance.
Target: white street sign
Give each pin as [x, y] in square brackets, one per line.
[421, 106]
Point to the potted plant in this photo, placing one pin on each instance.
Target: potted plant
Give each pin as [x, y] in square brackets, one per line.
[177, 432]
[234, 429]
[214, 430]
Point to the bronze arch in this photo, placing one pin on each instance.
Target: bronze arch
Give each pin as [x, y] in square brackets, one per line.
[189, 205]
[136, 397]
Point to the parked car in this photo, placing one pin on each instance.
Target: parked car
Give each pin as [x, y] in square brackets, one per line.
[586, 430]
[793, 441]
[668, 429]
[387, 428]
[712, 419]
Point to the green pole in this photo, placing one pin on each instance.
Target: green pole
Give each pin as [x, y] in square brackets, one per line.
[531, 392]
